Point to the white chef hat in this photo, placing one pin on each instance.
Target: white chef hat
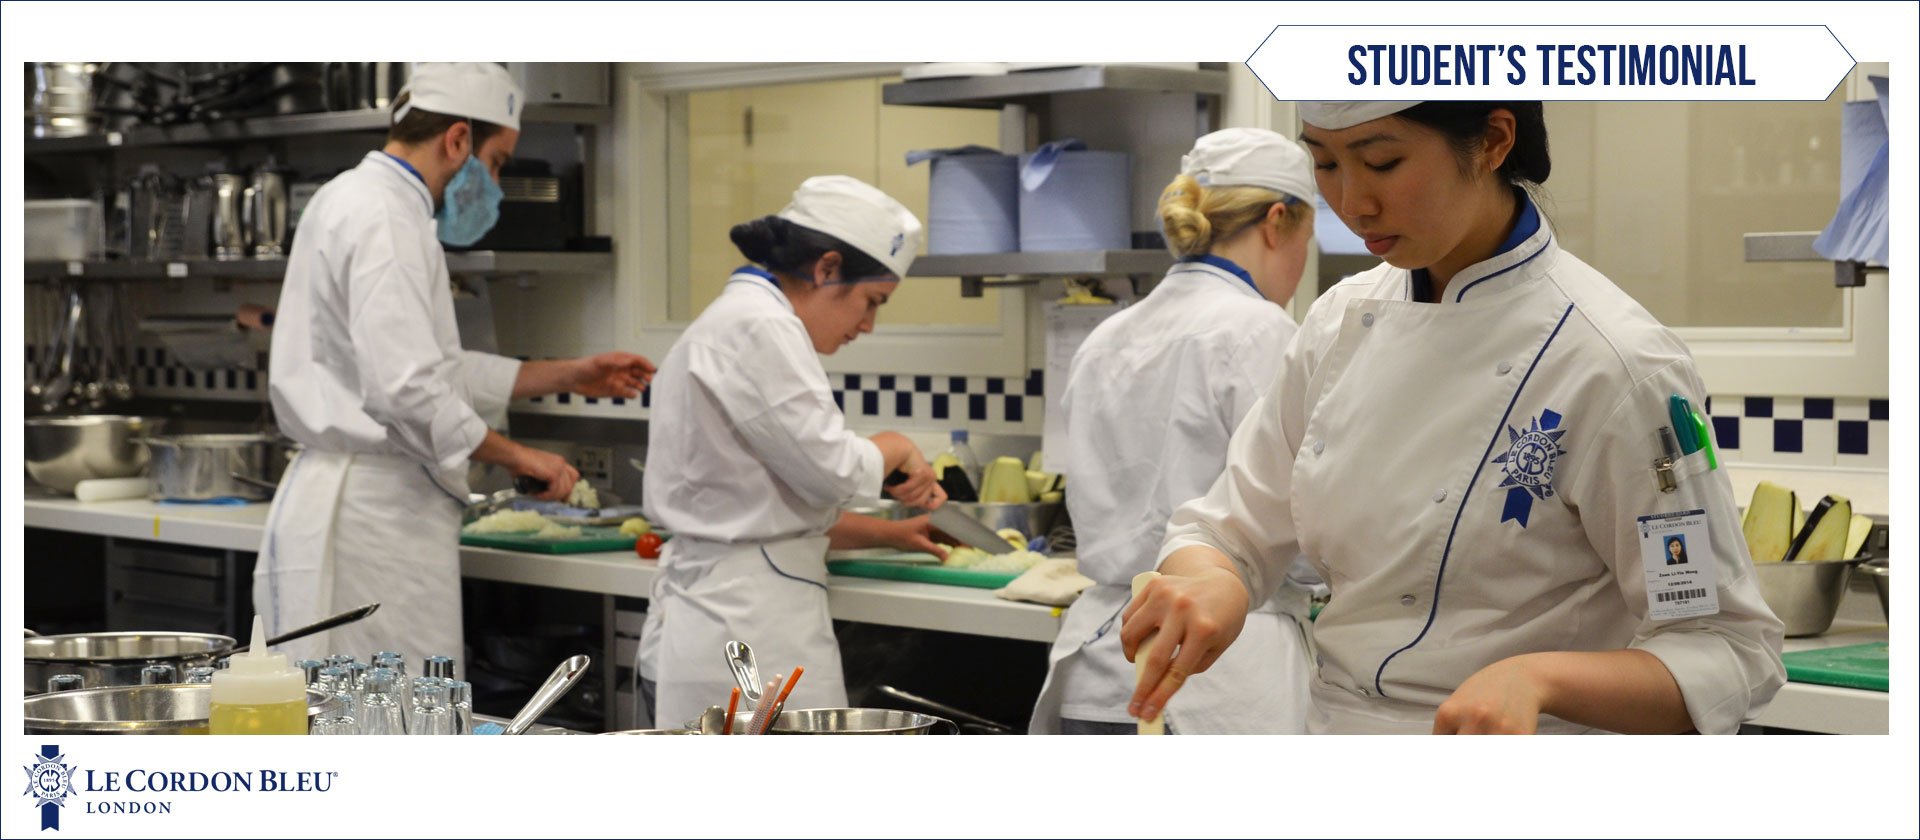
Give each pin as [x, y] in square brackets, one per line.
[859, 215]
[1253, 157]
[477, 90]
[1335, 116]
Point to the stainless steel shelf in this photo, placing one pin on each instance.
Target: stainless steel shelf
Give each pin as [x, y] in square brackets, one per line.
[1017, 87]
[466, 262]
[259, 128]
[1043, 263]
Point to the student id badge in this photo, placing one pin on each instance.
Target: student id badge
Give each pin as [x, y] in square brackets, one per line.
[1678, 563]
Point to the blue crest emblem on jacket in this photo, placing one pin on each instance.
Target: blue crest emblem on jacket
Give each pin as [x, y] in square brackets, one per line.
[1528, 465]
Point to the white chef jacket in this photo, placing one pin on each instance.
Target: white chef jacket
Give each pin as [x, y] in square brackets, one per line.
[1381, 452]
[749, 462]
[746, 444]
[368, 373]
[1152, 397]
[366, 355]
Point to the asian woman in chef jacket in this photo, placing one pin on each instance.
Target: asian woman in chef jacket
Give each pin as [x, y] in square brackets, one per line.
[1461, 440]
[750, 462]
[1151, 399]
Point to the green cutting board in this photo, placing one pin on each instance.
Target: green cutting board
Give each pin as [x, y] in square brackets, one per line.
[590, 539]
[921, 573]
[1853, 666]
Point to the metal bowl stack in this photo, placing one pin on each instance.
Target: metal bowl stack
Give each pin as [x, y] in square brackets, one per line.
[136, 710]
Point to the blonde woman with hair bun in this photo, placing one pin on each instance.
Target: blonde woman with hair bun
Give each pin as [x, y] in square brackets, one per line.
[1152, 397]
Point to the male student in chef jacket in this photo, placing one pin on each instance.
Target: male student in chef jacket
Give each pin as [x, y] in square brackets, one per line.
[369, 376]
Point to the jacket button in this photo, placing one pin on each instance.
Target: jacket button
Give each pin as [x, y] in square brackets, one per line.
[1505, 368]
[1408, 600]
[1319, 446]
[1366, 320]
[1440, 495]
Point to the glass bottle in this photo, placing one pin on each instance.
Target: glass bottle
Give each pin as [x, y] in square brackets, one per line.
[344, 720]
[460, 699]
[431, 716]
[438, 666]
[380, 710]
[199, 676]
[311, 667]
[65, 682]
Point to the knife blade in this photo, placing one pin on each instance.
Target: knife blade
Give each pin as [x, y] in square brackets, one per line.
[968, 530]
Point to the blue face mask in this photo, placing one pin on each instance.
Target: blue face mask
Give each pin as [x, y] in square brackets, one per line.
[470, 206]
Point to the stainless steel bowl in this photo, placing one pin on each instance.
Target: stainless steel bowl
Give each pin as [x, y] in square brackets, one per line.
[136, 710]
[1804, 594]
[64, 451]
[857, 722]
[1876, 571]
[1033, 519]
[654, 732]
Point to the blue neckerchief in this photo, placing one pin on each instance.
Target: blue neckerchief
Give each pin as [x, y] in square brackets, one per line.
[1524, 229]
[1228, 266]
[405, 165]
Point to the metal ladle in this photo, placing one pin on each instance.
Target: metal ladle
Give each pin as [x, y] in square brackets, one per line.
[557, 685]
[745, 672]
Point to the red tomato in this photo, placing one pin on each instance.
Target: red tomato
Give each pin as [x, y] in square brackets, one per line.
[648, 546]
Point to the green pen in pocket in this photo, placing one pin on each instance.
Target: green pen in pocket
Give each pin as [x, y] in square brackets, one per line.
[1706, 440]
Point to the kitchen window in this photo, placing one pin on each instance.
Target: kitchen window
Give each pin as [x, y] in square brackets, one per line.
[732, 143]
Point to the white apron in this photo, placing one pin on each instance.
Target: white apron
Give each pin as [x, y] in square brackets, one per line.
[1257, 687]
[347, 530]
[772, 596]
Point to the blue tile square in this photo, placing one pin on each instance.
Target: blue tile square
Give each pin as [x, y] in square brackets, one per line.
[1786, 436]
[1759, 407]
[253, 381]
[537, 399]
[1819, 408]
[922, 384]
[593, 401]
[1877, 409]
[903, 404]
[870, 403]
[886, 383]
[1016, 408]
[646, 398]
[996, 385]
[153, 376]
[1036, 384]
[1726, 432]
[233, 378]
[1853, 437]
[853, 382]
[939, 406]
[140, 355]
[840, 399]
[956, 384]
[564, 398]
[173, 377]
[977, 407]
[619, 400]
[160, 357]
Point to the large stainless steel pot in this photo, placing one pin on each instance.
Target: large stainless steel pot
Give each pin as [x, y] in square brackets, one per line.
[114, 659]
[138, 710]
[201, 467]
[64, 451]
[858, 722]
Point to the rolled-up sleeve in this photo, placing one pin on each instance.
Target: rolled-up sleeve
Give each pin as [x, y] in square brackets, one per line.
[487, 381]
[408, 383]
[1727, 664]
[785, 414]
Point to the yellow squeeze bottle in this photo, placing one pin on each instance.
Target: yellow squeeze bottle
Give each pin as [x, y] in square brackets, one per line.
[259, 693]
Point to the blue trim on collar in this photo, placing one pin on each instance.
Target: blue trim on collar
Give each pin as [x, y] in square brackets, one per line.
[1421, 280]
[760, 273]
[1225, 265]
[1433, 608]
[1458, 296]
[405, 165]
